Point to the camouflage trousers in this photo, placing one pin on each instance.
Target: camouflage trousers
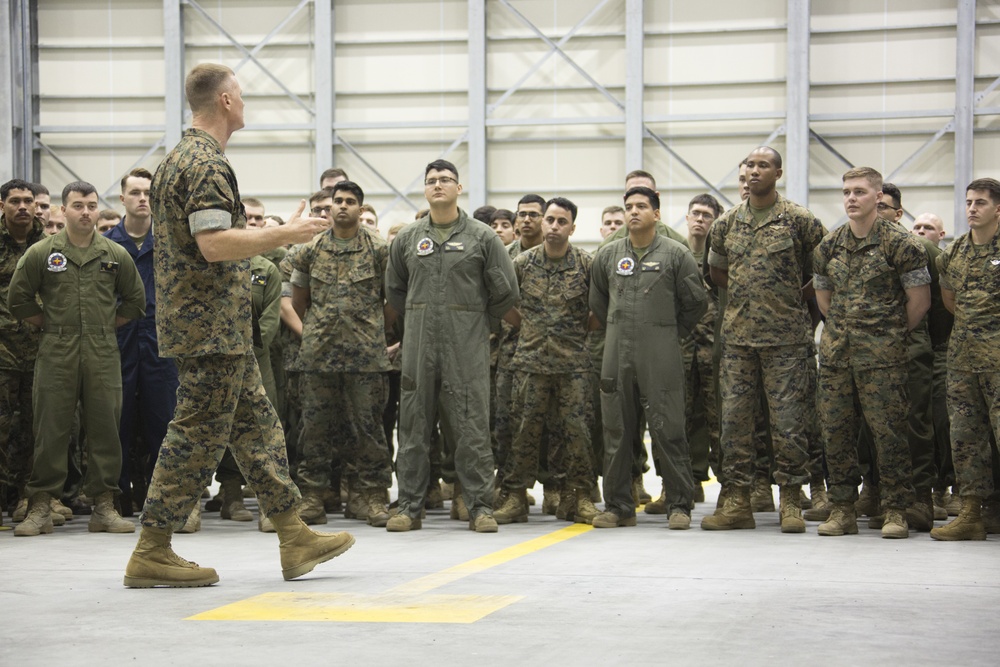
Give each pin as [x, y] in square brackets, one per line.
[342, 416]
[782, 373]
[220, 403]
[942, 424]
[846, 397]
[701, 418]
[974, 408]
[561, 405]
[506, 422]
[16, 439]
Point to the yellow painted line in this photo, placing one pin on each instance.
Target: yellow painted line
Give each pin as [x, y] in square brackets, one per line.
[406, 603]
[477, 565]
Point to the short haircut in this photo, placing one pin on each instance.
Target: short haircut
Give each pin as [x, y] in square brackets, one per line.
[333, 172]
[742, 163]
[564, 203]
[348, 186]
[138, 172]
[368, 208]
[441, 165]
[612, 209]
[891, 190]
[502, 214]
[649, 193]
[422, 213]
[252, 201]
[82, 187]
[640, 173]
[277, 218]
[320, 195]
[109, 214]
[990, 185]
[484, 213]
[203, 85]
[873, 177]
[776, 156]
[39, 189]
[708, 200]
[531, 199]
[16, 184]
[396, 228]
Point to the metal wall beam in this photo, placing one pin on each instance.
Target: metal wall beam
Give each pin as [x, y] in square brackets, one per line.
[475, 180]
[173, 62]
[797, 103]
[965, 64]
[634, 85]
[7, 82]
[325, 95]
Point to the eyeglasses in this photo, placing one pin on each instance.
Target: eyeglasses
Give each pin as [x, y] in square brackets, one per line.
[531, 215]
[443, 180]
[321, 210]
[882, 206]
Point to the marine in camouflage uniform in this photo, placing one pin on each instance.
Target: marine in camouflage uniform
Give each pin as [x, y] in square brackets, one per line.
[551, 382]
[205, 324]
[768, 342]
[970, 285]
[343, 361]
[649, 299]
[18, 348]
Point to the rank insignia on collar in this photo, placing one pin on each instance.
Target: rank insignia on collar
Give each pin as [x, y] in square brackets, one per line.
[425, 246]
[626, 266]
[56, 262]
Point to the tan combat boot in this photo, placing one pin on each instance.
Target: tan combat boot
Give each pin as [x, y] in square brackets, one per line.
[868, 502]
[790, 510]
[735, 513]
[967, 526]
[821, 506]
[895, 527]
[484, 523]
[264, 525]
[357, 505]
[193, 523]
[105, 518]
[60, 509]
[679, 520]
[611, 519]
[954, 504]
[920, 515]
[639, 493]
[550, 499]
[154, 563]
[658, 506]
[514, 508]
[940, 513]
[843, 521]
[20, 510]
[38, 518]
[301, 548]
[311, 509]
[459, 512]
[585, 510]
[434, 501]
[402, 523]
[233, 507]
[761, 496]
[376, 510]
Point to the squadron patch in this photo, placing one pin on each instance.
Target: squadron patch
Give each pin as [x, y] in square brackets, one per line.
[626, 266]
[56, 263]
[425, 246]
[258, 279]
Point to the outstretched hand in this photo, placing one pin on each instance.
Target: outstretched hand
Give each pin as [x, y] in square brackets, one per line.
[303, 229]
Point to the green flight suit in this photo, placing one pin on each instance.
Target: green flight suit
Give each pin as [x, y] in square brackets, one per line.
[649, 304]
[447, 292]
[82, 291]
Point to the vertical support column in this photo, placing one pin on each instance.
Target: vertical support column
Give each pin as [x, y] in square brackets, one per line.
[173, 81]
[18, 75]
[325, 95]
[8, 83]
[475, 182]
[797, 103]
[965, 63]
[634, 83]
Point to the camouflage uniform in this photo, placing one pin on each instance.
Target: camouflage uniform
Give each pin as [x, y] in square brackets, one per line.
[205, 322]
[18, 347]
[863, 354]
[343, 360]
[973, 273]
[82, 291]
[701, 416]
[291, 414]
[768, 335]
[649, 303]
[552, 371]
[447, 292]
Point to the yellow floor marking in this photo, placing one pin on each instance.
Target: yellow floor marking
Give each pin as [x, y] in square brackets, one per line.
[406, 603]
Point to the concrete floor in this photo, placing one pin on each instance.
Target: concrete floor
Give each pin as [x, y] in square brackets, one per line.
[627, 596]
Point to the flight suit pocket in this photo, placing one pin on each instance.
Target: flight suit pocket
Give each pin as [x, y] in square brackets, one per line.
[609, 385]
[498, 284]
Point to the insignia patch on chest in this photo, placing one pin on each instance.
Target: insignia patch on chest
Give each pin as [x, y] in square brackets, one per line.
[626, 266]
[425, 246]
[109, 267]
[454, 246]
[56, 262]
[258, 279]
[650, 266]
